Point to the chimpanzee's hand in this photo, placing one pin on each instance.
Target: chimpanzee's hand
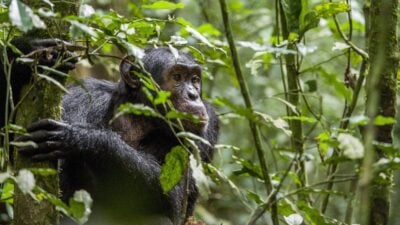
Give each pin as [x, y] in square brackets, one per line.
[49, 52]
[54, 140]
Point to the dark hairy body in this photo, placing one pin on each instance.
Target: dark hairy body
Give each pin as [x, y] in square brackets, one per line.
[119, 163]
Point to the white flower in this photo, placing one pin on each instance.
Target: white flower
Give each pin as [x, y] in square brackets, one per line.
[25, 181]
[294, 219]
[351, 146]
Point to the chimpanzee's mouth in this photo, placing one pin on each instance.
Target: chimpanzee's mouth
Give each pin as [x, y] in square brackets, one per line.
[203, 121]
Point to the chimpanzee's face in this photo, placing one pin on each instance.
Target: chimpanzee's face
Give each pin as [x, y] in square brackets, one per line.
[184, 83]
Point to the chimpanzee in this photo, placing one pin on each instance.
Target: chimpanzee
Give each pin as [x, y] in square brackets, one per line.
[119, 162]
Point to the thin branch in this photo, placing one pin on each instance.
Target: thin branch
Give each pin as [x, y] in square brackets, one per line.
[246, 96]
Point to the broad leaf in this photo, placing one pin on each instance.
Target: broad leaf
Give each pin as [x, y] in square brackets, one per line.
[176, 163]
[23, 17]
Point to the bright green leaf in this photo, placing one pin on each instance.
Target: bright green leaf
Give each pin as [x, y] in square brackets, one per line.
[209, 29]
[7, 192]
[323, 139]
[162, 97]
[164, 5]
[175, 165]
[329, 9]
[382, 120]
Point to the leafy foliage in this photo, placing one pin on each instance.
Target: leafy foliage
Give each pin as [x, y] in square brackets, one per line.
[330, 111]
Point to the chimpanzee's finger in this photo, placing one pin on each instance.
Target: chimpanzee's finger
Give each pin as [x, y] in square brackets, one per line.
[39, 136]
[43, 147]
[49, 42]
[49, 156]
[45, 124]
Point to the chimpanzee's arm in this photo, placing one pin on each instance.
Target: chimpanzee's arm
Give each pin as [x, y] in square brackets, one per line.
[104, 150]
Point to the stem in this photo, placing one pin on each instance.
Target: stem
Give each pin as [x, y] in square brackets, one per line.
[381, 100]
[246, 96]
[293, 97]
[349, 108]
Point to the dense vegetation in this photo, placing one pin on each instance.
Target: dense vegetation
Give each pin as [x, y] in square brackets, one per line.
[305, 92]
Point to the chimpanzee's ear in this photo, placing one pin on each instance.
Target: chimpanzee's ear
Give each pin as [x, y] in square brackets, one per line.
[129, 70]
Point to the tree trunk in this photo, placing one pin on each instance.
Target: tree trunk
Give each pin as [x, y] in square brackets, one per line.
[381, 100]
[42, 101]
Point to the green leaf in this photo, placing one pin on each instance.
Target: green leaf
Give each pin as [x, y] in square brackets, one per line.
[313, 216]
[311, 20]
[254, 197]
[136, 109]
[278, 123]
[312, 85]
[173, 169]
[80, 206]
[164, 5]
[53, 81]
[17, 129]
[382, 120]
[209, 29]
[199, 36]
[248, 168]
[7, 192]
[43, 171]
[323, 139]
[292, 9]
[23, 17]
[240, 110]
[54, 71]
[162, 97]
[4, 17]
[300, 118]
[339, 86]
[132, 50]
[173, 114]
[78, 30]
[327, 10]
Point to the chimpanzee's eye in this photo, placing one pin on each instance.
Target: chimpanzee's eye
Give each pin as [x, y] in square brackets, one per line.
[177, 77]
[195, 79]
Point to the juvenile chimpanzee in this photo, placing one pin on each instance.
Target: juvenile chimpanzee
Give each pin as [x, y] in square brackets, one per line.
[120, 163]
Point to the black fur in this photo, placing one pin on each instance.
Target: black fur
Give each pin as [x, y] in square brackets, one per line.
[121, 175]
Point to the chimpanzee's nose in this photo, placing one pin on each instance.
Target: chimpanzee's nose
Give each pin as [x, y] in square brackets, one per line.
[192, 94]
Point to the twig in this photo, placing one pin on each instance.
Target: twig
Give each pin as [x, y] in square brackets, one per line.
[246, 96]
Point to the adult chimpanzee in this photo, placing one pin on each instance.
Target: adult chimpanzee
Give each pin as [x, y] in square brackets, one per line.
[120, 163]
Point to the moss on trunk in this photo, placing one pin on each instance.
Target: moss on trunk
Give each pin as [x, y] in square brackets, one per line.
[43, 100]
